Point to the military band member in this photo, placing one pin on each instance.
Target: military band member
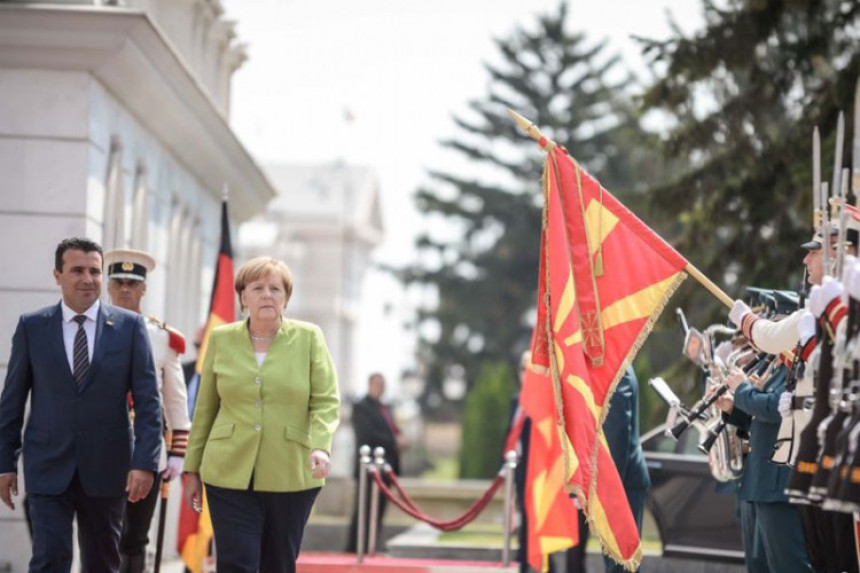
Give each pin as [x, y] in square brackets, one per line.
[771, 527]
[824, 531]
[127, 271]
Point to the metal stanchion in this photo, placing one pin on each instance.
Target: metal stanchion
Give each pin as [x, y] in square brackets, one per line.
[378, 462]
[510, 466]
[363, 462]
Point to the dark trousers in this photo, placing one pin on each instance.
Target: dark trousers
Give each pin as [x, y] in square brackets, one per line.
[846, 544]
[754, 552]
[523, 530]
[781, 534]
[829, 539]
[99, 525]
[258, 531]
[135, 523]
[352, 536]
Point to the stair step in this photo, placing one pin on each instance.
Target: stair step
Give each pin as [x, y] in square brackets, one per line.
[339, 563]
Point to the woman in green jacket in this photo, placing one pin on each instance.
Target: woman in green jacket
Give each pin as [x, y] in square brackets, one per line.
[266, 412]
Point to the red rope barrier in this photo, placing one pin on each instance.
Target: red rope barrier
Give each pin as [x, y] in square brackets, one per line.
[409, 507]
[470, 514]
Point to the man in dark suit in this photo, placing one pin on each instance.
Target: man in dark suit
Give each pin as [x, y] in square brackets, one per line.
[76, 361]
[374, 426]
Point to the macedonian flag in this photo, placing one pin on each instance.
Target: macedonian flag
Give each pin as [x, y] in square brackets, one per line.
[604, 279]
[551, 525]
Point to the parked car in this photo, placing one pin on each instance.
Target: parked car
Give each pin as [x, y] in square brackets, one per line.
[693, 519]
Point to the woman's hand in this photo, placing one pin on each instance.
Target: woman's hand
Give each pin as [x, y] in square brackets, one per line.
[194, 491]
[320, 464]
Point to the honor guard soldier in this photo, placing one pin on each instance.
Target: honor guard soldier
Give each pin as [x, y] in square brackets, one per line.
[827, 534]
[127, 271]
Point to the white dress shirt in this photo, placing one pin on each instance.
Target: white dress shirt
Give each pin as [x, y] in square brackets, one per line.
[70, 329]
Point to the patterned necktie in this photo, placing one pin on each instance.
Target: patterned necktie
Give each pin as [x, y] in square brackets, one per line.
[80, 353]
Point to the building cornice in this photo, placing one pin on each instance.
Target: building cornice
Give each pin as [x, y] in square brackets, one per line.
[133, 59]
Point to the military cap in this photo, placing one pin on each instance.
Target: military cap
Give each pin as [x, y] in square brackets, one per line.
[815, 243]
[128, 264]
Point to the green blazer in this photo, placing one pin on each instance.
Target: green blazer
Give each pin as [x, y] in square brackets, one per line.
[263, 421]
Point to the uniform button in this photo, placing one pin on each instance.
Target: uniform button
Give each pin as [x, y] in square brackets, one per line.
[258, 380]
[258, 403]
[258, 427]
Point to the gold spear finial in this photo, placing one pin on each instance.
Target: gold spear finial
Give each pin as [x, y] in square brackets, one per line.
[532, 130]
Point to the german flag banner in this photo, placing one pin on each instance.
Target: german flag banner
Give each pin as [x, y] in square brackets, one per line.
[222, 305]
[605, 278]
[195, 530]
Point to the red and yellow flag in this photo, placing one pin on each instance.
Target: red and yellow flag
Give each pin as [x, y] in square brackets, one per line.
[195, 530]
[604, 279]
[550, 512]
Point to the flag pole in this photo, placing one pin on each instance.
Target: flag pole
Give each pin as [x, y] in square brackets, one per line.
[548, 144]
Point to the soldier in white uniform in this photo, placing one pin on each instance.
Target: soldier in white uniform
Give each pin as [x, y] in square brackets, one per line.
[829, 536]
[127, 271]
[782, 336]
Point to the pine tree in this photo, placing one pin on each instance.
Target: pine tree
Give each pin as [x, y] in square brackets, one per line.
[742, 96]
[486, 279]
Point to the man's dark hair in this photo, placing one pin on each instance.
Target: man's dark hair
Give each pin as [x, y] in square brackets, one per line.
[77, 244]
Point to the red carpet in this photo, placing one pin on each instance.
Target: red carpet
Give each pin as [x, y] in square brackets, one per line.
[342, 563]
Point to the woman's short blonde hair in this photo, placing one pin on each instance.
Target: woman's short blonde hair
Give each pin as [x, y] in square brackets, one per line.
[259, 267]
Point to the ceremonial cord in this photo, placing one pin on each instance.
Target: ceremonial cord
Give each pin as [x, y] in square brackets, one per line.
[407, 506]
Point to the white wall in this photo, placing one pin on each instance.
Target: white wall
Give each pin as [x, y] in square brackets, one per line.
[55, 134]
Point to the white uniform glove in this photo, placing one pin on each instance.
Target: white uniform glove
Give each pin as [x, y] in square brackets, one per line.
[848, 270]
[806, 327]
[816, 301]
[830, 290]
[853, 287]
[785, 404]
[738, 312]
[174, 468]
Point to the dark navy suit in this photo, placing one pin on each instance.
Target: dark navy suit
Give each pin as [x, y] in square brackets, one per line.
[772, 531]
[78, 444]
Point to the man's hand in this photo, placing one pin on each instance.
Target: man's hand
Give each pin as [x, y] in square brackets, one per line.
[726, 403]
[173, 469]
[757, 381]
[194, 491]
[320, 464]
[8, 488]
[735, 378]
[738, 312]
[138, 484]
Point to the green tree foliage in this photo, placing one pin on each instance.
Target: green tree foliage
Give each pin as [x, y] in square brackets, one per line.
[742, 96]
[486, 277]
[485, 420]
